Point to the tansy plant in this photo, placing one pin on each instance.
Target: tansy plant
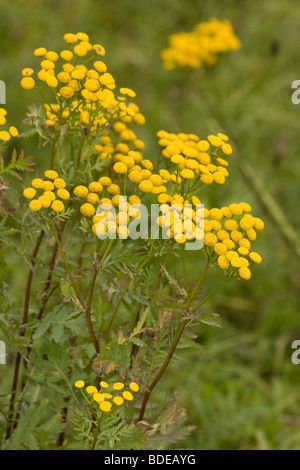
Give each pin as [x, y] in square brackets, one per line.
[201, 47]
[102, 304]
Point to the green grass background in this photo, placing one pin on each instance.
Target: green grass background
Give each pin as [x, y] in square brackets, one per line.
[241, 391]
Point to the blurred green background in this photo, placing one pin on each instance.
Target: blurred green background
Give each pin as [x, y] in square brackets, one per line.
[241, 390]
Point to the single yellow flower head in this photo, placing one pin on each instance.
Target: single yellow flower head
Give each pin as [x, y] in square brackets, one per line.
[81, 191]
[27, 83]
[79, 384]
[70, 38]
[27, 72]
[50, 195]
[57, 206]
[66, 55]
[99, 49]
[40, 52]
[35, 205]
[98, 397]
[59, 183]
[118, 386]
[29, 193]
[87, 210]
[118, 401]
[127, 395]
[63, 194]
[91, 389]
[255, 257]
[46, 201]
[134, 387]
[5, 136]
[103, 384]
[146, 186]
[51, 174]
[37, 183]
[48, 186]
[244, 273]
[223, 262]
[120, 168]
[66, 92]
[105, 406]
[80, 50]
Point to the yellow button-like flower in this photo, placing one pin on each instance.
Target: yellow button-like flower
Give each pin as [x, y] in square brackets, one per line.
[99, 49]
[57, 206]
[95, 187]
[103, 384]
[118, 401]
[5, 136]
[223, 262]
[91, 389]
[244, 273]
[113, 189]
[127, 395]
[52, 56]
[50, 195]
[59, 183]
[87, 210]
[27, 72]
[146, 186]
[105, 406]
[29, 193]
[79, 384]
[255, 257]
[37, 183]
[118, 386]
[51, 174]
[70, 38]
[67, 55]
[35, 205]
[47, 64]
[134, 387]
[46, 201]
[80, 50]
[63, 194]
[81, 191]
[210, 239]
[120, 168]
[98, 397]
[27, 83]
[48, 186]
[227, 149]
[40, 52]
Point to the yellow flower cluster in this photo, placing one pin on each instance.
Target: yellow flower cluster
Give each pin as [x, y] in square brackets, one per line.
[113, 213]
[84, 93]
[192, 163]
[52, 192]
[191, 158]
[5, 136]
[182, 220]
[104, 398]
[228, 236]
[120, 140]
[200, 47]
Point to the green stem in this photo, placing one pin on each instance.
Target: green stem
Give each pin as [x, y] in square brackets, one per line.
[77, 293]
[184, 270]
[172, 350]
[52, 153]
[128, 284]
[22, 333]
[135, 348]
[80, 152]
